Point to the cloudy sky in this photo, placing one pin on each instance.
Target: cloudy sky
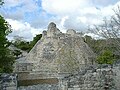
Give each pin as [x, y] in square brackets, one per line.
[31, 17]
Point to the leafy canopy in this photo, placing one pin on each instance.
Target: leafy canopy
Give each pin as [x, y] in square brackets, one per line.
[106, 57]
[20, 43]
[6, 57]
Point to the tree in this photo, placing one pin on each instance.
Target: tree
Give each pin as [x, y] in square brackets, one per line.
[24, 45]
[106, 57]
[108, 31]
[6, 57]
[17, 53]
[35, 40]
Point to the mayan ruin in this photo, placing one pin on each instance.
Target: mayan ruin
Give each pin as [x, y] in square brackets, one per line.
[62, 61]
[59, 44]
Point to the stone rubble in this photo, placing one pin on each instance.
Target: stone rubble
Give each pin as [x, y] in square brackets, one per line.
[8, 81]
[95, 77]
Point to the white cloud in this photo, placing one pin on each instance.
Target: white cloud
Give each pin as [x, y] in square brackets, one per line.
[83, 19]
[74, 14]
[12, 3]
[16, 9]
[29, 5]
[104, 3]
[81, 13]
[22, 29]
[64, 6]
[63, 20]
[109, 10]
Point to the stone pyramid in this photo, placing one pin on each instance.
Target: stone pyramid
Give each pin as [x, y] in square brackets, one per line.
[55, 54]
[60, 52]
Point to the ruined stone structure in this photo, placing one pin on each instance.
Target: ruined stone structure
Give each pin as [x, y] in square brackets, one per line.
[93, 77]
[55, 56]
[63, 61]
[8, 81]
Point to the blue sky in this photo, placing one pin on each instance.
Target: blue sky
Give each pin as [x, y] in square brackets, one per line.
[31, 17]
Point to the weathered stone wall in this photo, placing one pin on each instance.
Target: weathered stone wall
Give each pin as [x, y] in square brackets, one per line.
[99, 77]
[8, 81]
[40, 87]
[102, 77]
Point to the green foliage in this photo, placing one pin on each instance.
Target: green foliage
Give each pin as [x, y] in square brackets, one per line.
[35, 40]
[23, 45]
[6, 57]
[106, 57]
[20, 43]
[103, 48]
[96, 45]
[17, 53]
[100, 45]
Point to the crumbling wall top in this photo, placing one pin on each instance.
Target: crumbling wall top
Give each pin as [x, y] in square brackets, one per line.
[51, 26]
[52, 30]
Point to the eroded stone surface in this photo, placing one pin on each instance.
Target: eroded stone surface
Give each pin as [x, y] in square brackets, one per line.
[59, 52]
[93, 77]
[56, 55]
[8, 81]
[40, 87]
